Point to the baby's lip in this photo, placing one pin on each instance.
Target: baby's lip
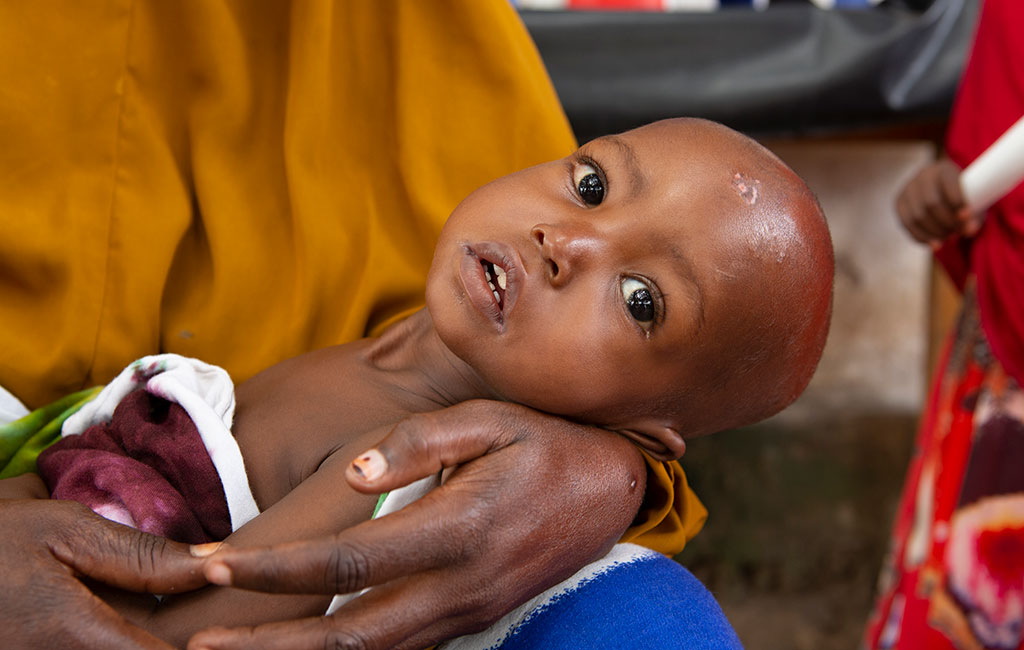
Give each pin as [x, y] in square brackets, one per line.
[471, 271]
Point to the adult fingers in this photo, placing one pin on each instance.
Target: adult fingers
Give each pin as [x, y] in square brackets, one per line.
[407, 614]
[425, 444]
[124, 557]
[414, 539]
[90, 623]
[43, 604]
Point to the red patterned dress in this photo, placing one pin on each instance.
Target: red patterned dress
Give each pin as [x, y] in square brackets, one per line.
[954, 576]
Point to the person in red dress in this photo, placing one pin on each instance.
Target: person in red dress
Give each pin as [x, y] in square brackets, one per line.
[954, 576]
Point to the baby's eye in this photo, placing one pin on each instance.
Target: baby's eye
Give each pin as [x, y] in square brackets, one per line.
[639, 301]
[588, 183]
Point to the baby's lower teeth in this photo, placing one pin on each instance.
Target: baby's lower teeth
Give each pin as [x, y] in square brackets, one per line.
[496, 297]
[491, 285]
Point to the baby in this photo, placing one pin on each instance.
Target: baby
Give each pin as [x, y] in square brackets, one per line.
[665, 283]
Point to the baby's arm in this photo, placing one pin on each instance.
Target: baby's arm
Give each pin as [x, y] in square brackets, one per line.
[323, 504]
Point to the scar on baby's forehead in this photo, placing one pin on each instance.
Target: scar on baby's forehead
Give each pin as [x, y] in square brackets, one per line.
[748, 188]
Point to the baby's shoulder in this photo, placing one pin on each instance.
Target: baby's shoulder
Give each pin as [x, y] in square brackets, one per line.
[292, 417]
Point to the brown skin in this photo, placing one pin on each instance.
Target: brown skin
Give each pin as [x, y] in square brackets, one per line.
[46, 545]
[460, 558]
[369, 386]
[765, 276]
[931, 207]
[672, 219]
[493, 535]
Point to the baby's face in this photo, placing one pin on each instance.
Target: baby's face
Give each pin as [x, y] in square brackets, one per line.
[620, 274]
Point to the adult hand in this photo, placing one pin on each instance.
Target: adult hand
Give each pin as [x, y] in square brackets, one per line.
[46, 545]
[531, 500]
[931, 206]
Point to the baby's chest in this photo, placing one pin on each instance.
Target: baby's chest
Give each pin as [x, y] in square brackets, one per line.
[285, 440]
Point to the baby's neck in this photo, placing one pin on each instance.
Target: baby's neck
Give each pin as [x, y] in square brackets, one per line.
[420, 365]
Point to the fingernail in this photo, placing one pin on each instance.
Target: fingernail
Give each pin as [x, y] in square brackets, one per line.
[204, 550]
[370, 465]
[208, 639]
[218, 573]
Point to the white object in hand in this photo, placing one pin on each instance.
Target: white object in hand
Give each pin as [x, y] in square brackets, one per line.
[996, 171]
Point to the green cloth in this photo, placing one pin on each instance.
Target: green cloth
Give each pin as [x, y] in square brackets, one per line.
[22, 440]
[380, 502]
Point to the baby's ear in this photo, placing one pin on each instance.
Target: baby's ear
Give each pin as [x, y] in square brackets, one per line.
[660, 441]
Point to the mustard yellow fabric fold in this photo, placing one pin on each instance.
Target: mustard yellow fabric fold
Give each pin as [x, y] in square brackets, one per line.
[241, 181]
[671, 515]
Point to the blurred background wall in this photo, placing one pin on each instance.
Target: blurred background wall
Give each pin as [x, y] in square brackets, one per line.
[855, 100]
[801, 504]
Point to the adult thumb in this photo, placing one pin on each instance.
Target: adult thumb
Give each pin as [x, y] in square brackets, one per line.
[124, 557]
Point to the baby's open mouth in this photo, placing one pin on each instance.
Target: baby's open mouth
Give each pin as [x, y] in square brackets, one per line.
[492, 277]
[496, 280]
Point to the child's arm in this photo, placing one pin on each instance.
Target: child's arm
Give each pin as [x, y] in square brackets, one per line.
[321, 505]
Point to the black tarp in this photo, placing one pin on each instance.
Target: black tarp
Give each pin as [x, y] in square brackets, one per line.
[791, 69]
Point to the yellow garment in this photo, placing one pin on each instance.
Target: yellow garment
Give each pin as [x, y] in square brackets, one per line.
[671, 514]
[241, 181]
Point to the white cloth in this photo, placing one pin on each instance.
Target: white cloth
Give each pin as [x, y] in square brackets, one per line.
[11, 408]
[206, 393]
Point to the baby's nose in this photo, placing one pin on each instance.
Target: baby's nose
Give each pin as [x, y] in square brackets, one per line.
[567, 248]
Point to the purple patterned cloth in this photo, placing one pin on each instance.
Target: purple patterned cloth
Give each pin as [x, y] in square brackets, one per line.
[146, 468]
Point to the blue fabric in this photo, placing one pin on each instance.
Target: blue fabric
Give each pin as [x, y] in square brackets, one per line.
[652, 602]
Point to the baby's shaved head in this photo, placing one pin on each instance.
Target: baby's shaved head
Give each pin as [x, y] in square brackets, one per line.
[767, 336]
[666, 282]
